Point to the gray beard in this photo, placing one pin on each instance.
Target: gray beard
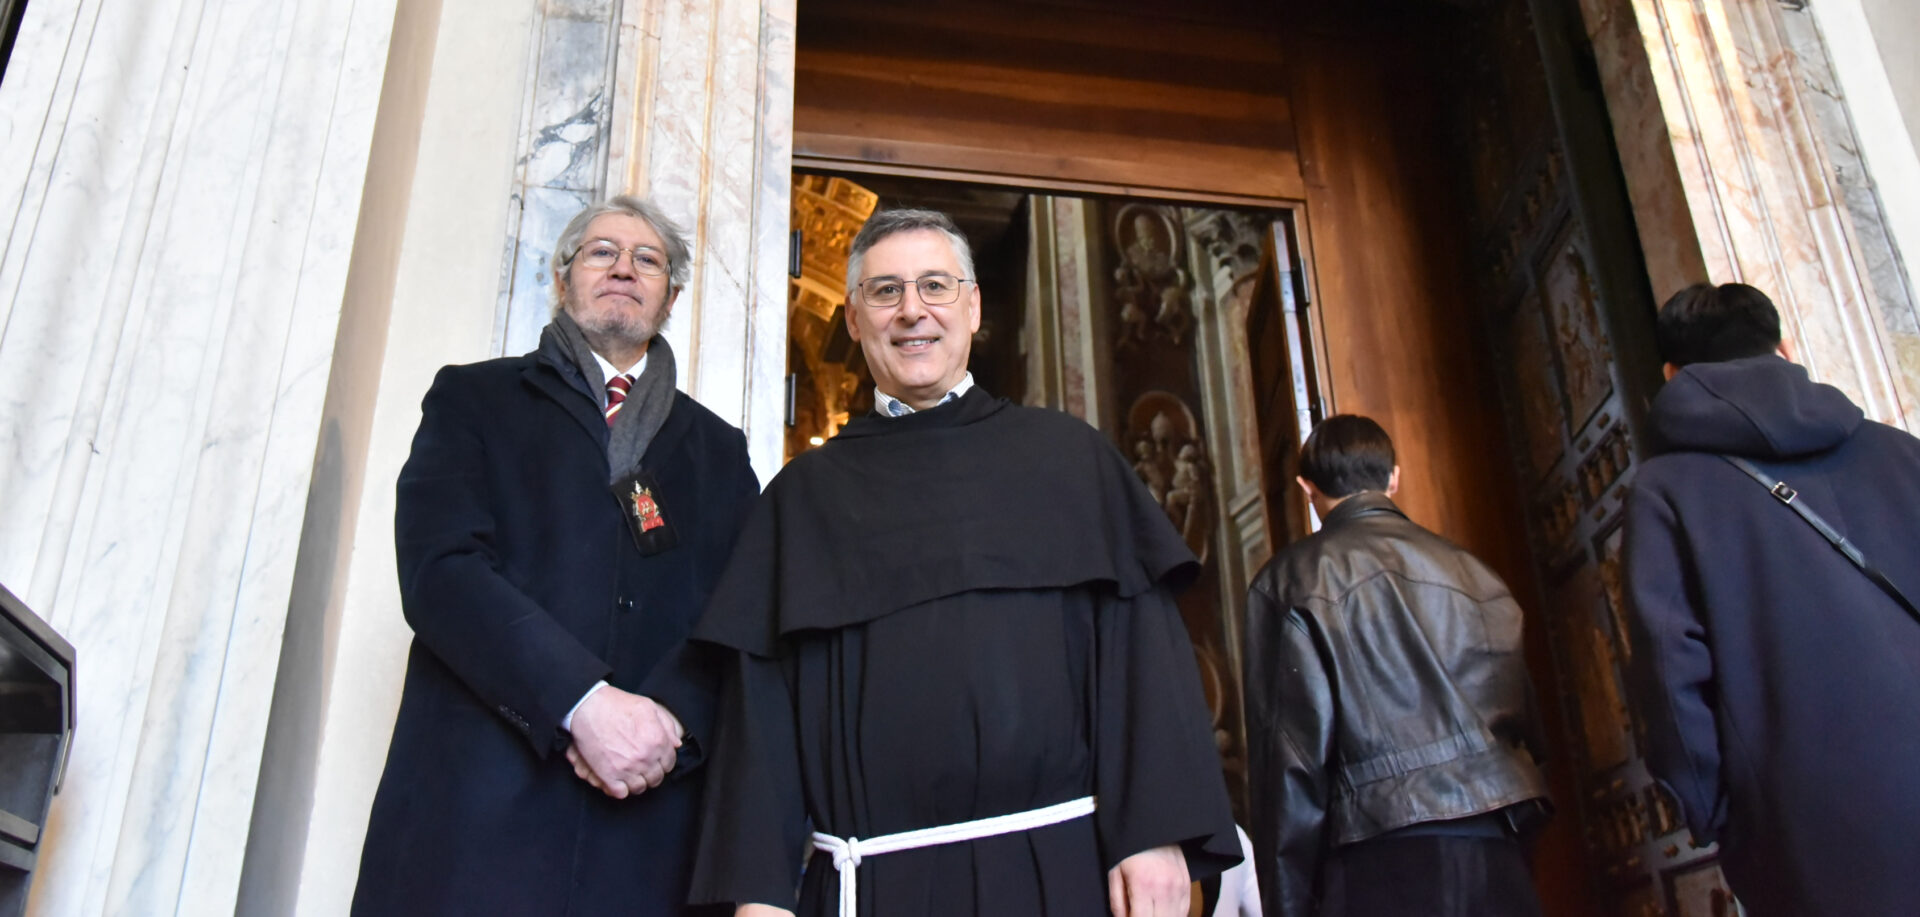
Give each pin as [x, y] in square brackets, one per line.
[611, 332]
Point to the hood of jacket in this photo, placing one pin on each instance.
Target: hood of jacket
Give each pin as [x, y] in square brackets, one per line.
[1763, 408]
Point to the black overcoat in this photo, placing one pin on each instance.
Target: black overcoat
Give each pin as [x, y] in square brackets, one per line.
[1780, 687]
[523, 587]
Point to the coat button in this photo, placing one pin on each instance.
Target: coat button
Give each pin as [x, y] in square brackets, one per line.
[625, 604]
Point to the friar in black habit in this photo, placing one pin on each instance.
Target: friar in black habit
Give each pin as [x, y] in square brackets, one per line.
[560, 524]
[957, 670]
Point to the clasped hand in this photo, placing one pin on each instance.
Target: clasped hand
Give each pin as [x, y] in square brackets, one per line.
[624, 744]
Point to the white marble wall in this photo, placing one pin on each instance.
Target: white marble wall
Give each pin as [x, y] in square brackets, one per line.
[1879, 86]
[182, 187]
[426, 277]
[1893, 25]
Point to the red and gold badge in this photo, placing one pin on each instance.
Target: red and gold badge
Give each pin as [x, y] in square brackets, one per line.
[645, 509]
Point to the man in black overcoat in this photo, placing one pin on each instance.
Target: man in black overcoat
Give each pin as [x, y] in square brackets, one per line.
[1780, 687]
[561, 521]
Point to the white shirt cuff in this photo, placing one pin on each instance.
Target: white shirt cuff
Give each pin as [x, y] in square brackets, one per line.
[566, 722]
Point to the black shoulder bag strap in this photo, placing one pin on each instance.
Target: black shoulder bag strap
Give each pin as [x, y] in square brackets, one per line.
[1786, 495]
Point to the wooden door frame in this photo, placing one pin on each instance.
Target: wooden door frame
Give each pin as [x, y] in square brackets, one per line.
[809, 163]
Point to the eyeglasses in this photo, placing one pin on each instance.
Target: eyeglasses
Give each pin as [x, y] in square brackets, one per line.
[601, 255]
[935, 290]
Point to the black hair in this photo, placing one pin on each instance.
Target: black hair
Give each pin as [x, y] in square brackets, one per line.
[1708, 324]
[1346, 454]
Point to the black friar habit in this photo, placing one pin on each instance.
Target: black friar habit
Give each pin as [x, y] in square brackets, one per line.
[961, 613]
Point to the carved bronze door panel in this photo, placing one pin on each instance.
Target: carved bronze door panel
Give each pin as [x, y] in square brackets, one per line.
[1569, 316]
[1569, 423]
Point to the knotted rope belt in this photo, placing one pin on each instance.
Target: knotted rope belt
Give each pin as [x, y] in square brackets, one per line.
[847, 852]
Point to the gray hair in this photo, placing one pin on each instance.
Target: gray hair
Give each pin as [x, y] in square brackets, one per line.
[679, 254]
[893, 222]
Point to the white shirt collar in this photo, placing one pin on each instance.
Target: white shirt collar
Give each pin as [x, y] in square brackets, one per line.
[608, 371]
[889, 406]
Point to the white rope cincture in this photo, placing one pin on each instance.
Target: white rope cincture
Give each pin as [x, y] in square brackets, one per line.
[847, 852]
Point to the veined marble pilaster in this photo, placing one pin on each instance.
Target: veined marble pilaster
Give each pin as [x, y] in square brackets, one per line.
[1087, 360]
[1732, 179]
[175, 253]
[561, 162]
[1068, 364]
[1040, 334]
[704, 127]
[1054, 283]
[689, 104]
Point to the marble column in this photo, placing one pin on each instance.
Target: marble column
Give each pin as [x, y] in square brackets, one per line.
[180, 198]
[1732, 166]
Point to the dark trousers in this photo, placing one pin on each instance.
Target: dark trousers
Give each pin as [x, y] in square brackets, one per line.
[1429, 876]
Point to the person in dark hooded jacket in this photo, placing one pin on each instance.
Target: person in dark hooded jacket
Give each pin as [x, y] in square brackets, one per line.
[1779, 686]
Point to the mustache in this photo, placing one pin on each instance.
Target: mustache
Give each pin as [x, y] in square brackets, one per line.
[630, 327]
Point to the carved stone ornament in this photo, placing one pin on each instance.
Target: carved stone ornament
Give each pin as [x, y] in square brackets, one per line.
[1150, 285]
[1164, 443]
[1233, 241]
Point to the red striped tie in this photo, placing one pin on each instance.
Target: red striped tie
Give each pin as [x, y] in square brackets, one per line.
[617, 389]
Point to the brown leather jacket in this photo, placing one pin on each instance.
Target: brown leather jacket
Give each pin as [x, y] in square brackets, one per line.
[1384, 687]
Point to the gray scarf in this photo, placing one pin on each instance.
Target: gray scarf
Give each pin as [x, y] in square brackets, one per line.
[647, 404]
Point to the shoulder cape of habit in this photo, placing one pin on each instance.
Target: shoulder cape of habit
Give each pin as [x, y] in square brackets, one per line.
[974, 494]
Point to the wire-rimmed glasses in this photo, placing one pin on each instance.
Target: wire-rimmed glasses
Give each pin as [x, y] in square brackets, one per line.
[934, 289]
[601, 254]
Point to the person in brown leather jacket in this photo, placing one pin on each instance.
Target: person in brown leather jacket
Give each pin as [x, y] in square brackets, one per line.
[1392, 732]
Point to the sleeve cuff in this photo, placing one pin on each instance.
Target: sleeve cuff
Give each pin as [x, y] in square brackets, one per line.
[566, 722]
